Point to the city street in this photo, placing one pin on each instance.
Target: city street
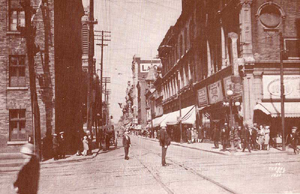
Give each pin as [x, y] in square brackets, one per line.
[188, 171]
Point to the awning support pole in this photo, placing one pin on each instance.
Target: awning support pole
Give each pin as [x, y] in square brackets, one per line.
[282, 95]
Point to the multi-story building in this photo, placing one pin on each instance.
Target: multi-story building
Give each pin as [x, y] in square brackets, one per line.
[140, 69]
[224, 58]
[54, 73]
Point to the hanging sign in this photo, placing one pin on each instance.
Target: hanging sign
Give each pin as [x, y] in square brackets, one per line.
[202, 97]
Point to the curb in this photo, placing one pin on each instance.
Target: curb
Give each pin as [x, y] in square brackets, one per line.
[227, 153]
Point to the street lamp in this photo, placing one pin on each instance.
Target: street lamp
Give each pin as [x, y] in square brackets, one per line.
[229, 93]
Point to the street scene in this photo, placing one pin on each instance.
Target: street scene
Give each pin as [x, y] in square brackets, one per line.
[191, 169]
[149, 96]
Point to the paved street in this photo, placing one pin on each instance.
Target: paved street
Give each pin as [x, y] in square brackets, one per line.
[189, 171]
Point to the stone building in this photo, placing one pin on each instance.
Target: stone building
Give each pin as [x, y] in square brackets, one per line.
[222, 57]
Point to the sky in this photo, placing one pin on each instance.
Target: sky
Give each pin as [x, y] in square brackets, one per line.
[137, 28]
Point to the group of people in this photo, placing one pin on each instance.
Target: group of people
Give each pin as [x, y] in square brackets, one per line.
[192, 135]
[59, 146]
[238, 137]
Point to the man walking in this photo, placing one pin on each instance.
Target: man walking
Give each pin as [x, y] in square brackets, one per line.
[28, 177]
[164, 142]
[247, 139]
[126, 144]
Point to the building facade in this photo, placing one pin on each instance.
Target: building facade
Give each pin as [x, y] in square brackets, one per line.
[140, 69]
[56, 81]
[16, 115]
[223, 57]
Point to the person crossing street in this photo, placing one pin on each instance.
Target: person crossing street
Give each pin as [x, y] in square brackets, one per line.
[126, 144]
[164, 142]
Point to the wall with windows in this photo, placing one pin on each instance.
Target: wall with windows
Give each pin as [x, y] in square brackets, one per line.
[15, 115]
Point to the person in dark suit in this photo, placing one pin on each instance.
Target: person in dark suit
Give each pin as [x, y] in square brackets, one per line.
[28, 177]
[62, 146]
[164, 142]
[55, 144]
[126, 144]
[247, 139]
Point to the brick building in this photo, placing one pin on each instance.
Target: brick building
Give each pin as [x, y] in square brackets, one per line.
[227, 52]
[52, 82]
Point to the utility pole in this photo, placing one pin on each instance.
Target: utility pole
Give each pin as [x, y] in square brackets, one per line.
[90, 68]
[101, 70]
[282, 95]
[30, 32]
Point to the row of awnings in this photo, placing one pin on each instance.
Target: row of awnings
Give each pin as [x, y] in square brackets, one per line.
[291, 109]
[188, 116]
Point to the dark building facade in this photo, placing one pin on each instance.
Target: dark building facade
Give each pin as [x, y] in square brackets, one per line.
[225, 54]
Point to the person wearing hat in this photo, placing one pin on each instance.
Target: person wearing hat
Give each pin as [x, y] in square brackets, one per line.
[28, 176]
[62, 146]
[126, 144]
[164, 142]
[55, 146]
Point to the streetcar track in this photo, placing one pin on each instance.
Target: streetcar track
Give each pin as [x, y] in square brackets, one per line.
[185, 168]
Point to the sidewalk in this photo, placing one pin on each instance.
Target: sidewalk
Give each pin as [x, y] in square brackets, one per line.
[209, 147]
[16, 159]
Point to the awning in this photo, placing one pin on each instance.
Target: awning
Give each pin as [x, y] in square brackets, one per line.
[190, 117]
[291, 109]
[172, 118]
[157, 121]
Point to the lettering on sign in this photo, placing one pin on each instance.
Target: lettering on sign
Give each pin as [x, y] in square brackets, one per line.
[215, 92]
[271, 86]
[202, 97]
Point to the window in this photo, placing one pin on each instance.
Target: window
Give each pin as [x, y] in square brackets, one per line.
[16, 18]
[292, 48]
[17, 71]
[17, 121]
[270, 15]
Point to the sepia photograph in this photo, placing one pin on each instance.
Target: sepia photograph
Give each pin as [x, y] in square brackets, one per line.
[149, 96]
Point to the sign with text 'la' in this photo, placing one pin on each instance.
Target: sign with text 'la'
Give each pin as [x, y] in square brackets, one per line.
[271, 86]
[144, 67]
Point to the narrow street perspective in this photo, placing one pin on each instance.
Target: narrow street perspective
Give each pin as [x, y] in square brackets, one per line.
[149, 96]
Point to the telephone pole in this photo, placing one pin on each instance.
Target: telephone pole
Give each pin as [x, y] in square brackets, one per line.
[103, 35]
[29, 31]
[282, 95]
[90, 68]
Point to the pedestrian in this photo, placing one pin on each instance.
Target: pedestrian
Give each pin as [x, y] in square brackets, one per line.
[164, 142]
[294, 139]
[196, 135]
[247, 139]
[216, 136]
[223, 138]
[267, 138]
[126, 144]
[254, 137]
[55, 144]
[107, 140]
[28, 177]
[261, 137]
[85, 144]
[188, 135]
[62, 145]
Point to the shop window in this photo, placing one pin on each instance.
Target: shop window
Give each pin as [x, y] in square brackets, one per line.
[17, 123]
[270, 15]
[292, 48]
[17, 71]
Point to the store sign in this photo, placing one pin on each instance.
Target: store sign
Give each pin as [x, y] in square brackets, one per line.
[230, 85]
[144, 67]
[271, 86]
[215, 92]
[202, 97]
